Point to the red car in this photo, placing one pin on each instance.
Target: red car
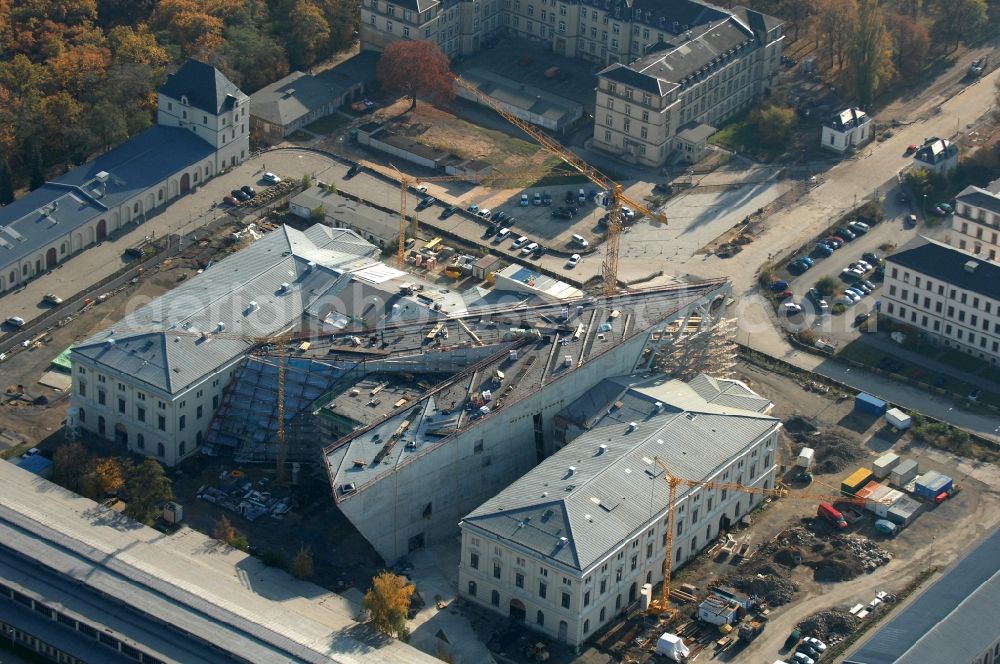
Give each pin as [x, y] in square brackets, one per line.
[911, 148]
[230, 200]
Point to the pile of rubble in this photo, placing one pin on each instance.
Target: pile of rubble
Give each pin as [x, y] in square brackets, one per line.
[829, 626]
[833, 453]
[768, 583]
[868, 552]
[832, 558]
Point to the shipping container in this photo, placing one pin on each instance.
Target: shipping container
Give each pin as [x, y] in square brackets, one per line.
[904, 511]
[903, 473]
[884, 464]
[932, 485]
[806, 457]
[855, 481]
[869, 405]
[867, 490]
[881, 504]
[898, 419]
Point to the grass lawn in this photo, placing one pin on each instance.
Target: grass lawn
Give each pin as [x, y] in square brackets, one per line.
[328, 125]
[738, 135]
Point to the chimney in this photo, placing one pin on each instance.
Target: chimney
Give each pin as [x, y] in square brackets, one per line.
[970, 266]
[572, 471]
[284, 287]
[632, 427]
[601, 449]
[222, 327]
[659, 406]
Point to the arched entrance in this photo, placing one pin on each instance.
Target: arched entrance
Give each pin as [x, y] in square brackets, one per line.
[185, 183]
[724, 524]
[121, 434]
[90, 237]
[101, 427]
[77, 243]
[102, 230]
[173, 189]
[632, 592]
[563, 630]
[517, 611]
[50, 258]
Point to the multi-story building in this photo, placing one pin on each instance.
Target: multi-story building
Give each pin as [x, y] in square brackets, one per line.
[947, 295]
[690, 76]
[201, 130]
[849, 129]
[573, 543]
[976, 222]
[153, 381]
[670, 63]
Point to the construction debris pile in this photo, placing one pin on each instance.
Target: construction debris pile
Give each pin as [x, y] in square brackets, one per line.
[237, 494]
[769, 583]
[833, 558]
[833, 453]
[829, 626]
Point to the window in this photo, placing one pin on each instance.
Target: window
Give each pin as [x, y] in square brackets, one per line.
[406, 31]
[495, 598]
[565, 600]
[643, 132]
[161, 423]
[140, 441]
[181, 422]
[160, 450]
[604, 586]
[101, 397]
[182, 448]
[540, 618]
[215, 402]
[140, 396]
[608, 120]
[542, 588]
[474, 560]
[121, 405]
[198, 411]
[586, 598]
[496, 570]
[562, 24]
[472, 588]
[519, 580]
[82, 389]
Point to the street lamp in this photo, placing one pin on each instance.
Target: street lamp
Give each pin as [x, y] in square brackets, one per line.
[925, 206]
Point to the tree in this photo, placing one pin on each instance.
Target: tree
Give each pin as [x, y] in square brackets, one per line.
[111, 473]
[957, 19]
[302, 563]
[147, 486]
[833, 20]
[869, 52]
[6, 183]
[388, 603]
[70, 463]
[912, 43]
[413, 68]
[307, 35]
[318, 216]
[223, 530]
[827, 286]
[771, 125]
[37, 166]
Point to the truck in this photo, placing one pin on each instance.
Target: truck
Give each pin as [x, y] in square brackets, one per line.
[831, 514]
[750, 630]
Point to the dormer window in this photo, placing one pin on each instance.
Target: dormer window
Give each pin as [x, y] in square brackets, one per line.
[184, 100]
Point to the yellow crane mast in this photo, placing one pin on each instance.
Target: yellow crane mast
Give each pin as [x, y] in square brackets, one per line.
[609, 269]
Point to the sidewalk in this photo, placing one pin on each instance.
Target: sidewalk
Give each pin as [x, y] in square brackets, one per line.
[890, 347]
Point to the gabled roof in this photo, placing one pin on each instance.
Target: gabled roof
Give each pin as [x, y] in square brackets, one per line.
[980, 198]
[598, 497]
[935, 150]
[950, 265]
[78, 197]
[293, 97]
[847, 119]
[204, 86]
[175, 340]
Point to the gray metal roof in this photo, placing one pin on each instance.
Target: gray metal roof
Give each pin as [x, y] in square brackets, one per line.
[354, 213]
[76, 198]
[218, 603]
[597, 499]
[950, 265]
[678, 63]
[162, 343]
[954, 620]
[205, 87]
[293, 97]
[980, 198]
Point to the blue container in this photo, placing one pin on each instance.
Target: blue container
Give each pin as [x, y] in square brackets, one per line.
[869, 405]
[932, 484]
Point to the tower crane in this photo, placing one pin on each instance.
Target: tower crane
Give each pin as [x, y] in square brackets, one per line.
[609, 269]
[662, 604]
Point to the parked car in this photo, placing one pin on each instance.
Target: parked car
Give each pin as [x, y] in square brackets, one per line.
[833, 241]
[581, 196]
[448, 211]
[815, 643]
[270, 178]
[867, 284]
[910, 221]
[519, 242]
[943, 209]
[570, 197]
[499, 217]
[352, 171]
[579, 240]
[861, 318]
[814, 295]
[15, 321]
[473, 208]
[426, 202]
[822, 250]
[823, 307]
[546, 198]
[911, 148]
[852, 296]
[870, 257]
[860, 285]
[524, 200]
[573, 260]
[779, 285]
[485, 213]
[529, 248]
[501, 235]
[857, 291]
[248, 190]
[539, 251]
[791, 308]
[857, 228]
[798, 266]
[802, 658]
[230, 200]
[785, 295]
[862, 224]
[844, 234]
[536, 199]
[808, 651]
[52, 298]
[239, 195]
[562, 213]
[851, 274]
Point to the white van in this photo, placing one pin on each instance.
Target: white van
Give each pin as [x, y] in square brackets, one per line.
[501, 235]
[579, 240]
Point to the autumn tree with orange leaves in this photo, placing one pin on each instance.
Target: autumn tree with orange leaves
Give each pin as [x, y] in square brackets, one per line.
[416, 68]
[388, 603]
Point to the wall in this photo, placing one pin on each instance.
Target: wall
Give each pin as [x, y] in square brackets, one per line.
[977, 230]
